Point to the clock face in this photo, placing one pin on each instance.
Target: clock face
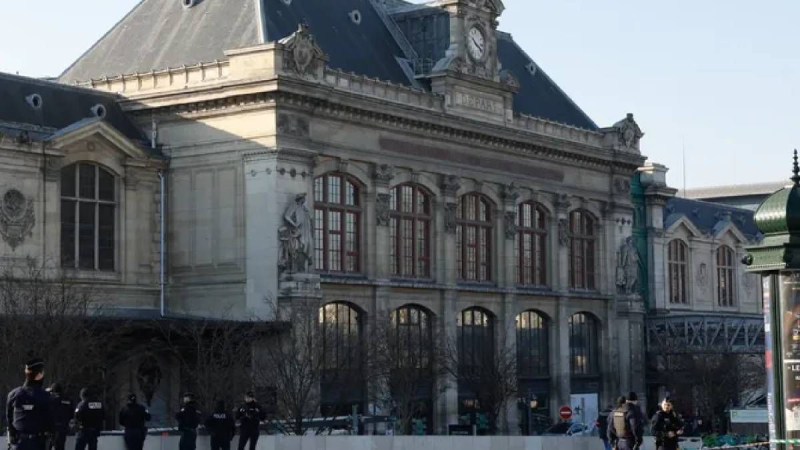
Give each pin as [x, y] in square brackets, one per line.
[476, 43]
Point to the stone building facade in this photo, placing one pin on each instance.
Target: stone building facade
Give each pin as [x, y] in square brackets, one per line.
[470, 190]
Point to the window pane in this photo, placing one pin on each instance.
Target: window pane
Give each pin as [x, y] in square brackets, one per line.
[422, 248]
[87, 181]
[406, 199]
[319, 238]
[68, 232]
[319, 189]
[105, 237]
[352, 199]
[106, 185]
[68, 181]
[334, 189]
[86, 236]
[393, 249]
[352, 242]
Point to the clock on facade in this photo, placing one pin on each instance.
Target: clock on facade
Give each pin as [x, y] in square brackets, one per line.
[476, 43]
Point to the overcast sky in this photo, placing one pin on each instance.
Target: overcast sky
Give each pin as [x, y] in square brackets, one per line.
[720, 78]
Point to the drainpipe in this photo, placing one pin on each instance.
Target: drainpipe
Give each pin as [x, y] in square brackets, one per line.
[161, 283]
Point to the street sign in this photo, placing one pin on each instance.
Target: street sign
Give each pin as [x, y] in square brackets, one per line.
[565, 413]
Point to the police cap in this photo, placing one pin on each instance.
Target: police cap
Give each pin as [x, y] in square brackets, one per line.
[131, 397]
[249, 394]
[188, 395]
[56, 388]
[35, 365]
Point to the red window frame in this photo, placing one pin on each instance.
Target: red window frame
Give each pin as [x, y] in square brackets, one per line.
[410, 231]
[583, 250]
[337, 223]
[530, 245]
[474, 234]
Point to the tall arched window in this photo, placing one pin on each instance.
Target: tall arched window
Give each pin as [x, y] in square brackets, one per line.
[530, 245]
[533, 345]
[88, 217]
[678, 263]
[475, 338]
[337, 224]
[410, 231]
[583, 348]
[725, 280]
[474, 238]
[342, 377]
[412, 334]
[583, 242]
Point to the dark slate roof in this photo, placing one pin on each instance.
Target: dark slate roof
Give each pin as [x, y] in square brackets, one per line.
[709, 217]
[538, 95]
[160, 34]
[736, 190]
[62, 106]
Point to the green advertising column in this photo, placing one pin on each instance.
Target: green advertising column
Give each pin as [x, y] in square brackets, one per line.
[777, 259]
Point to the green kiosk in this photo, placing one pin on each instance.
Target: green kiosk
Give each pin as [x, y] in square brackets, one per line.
[777, 259]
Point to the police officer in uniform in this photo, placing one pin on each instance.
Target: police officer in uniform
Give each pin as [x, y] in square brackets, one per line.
[134, 417]
[626, 428]
[188, 420]
[667, 427]
[64, 410]
[221, 427]
[29, 411]
[249, 416]
[89, 416]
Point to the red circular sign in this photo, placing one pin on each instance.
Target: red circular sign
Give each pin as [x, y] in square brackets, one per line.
[565, 412]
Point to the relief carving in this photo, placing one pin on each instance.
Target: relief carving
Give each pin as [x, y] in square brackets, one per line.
[450, 210]
[451, 184]
[303, 51]
[563, 232]
[383, 210]
[293, 125]
[628, 267]
[510, 224]
[702, 276]
[17, 218]
[628, 134]
[384, 173]
[510, 193]
[296, 237]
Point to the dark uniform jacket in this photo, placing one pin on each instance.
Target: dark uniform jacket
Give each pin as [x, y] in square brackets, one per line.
[29, 410]
[626, 422]
[89, 415]
[249, 415]
[188, 417]
[220, 425]
[134, 416]
[64, 410]
[663, 423]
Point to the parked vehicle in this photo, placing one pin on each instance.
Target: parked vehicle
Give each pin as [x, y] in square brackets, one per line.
[569, 429]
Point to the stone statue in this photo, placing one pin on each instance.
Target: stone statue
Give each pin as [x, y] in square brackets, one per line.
[628, 267]
[296, 237]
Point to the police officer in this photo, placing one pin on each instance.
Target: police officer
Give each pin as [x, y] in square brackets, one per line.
[134, 417]
[249, 416]
[63, 416]
[29, 411]
[188, 420]
[221, 427]
[666, 427]
[626, 429]
[89, 417]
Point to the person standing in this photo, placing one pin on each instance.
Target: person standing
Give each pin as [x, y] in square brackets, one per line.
[221, 427]
[626, 429]
[89, 416]
[63, 410]
[188, 421]
[667, 427]
[249, 416]
[134, 418]
[30, 414]
[602, 427]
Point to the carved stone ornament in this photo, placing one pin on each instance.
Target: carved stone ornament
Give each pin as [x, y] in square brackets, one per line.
[451, 184]
[450, 210]
[296, 237]
[17, 218]
[291, 125]
[628, 267]
[303, 49]
[383, 209]
[622, 186]
[509, 79]
[702, 276]
[628, 133]
[510, 193]
[510, 224]
[384, 173]
[562, 202]
[563, 232]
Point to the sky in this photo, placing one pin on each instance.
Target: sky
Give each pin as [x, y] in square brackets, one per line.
[716, 80]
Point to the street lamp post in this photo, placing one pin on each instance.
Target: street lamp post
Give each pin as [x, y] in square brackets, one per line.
[777, 260]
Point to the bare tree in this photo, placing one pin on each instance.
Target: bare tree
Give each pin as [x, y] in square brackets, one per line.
[485, 368]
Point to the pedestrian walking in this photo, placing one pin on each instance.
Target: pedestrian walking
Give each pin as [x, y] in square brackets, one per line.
[221, 427]
[63, 412]
[89, 416]
[667, 427]
[626, 428]
[249, 416]
[134, 417]
[602, 427]
[188, 421]
[29, 411]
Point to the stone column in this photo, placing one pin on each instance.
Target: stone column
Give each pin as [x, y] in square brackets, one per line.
[382, 177]
[561, 364]
[508, 336]
[48, 217]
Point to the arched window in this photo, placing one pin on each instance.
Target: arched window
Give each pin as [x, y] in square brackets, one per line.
[88, 217]
[342, 382]
[474, 238]
[410, 231]
[475, 338]
[678, 285]
[411, 329]
[583, 242]
[583, 349]
[530, 245]
[725, 280]
[337, 224]
[533, 345]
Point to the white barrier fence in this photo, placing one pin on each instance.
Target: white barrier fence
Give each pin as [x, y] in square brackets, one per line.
[376, 443]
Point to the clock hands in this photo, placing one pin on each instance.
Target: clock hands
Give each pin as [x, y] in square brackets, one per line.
[474, 41]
